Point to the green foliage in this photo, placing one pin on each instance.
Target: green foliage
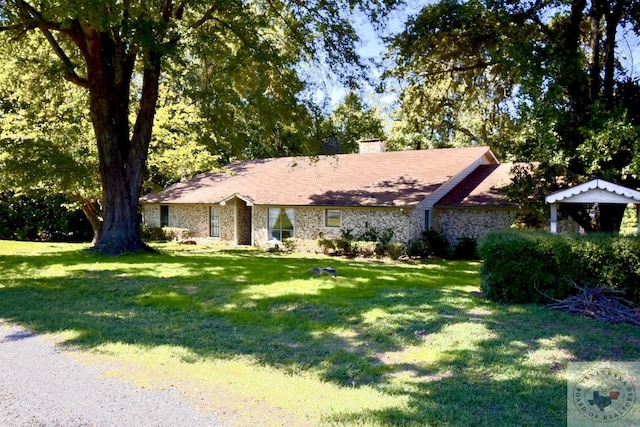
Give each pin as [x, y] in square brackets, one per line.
[467, 248]
[524, 267]
[153, 234]
[454, 58]
[394, 250]
[381, 239]
[46, 139]
[327, 246]
[431, 243]
[364, 249]
[162, 234]
[367, 244]
[119, 53]
[542, 82]
[344, 246]
[295, 244]
[41, 217]
[343, 243]
[351, 122]
[180, 146]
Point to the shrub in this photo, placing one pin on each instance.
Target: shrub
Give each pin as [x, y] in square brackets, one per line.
[430, 244]
[175, 233]
[524, 267]
[365, 249]
[384, 241]
[343, 246]
[327, 246]
[159, 234]
[41, 217]
[290, 244]
[370, 234]
[154, 234]
[467, 248]
[295, 244]
[394, 250]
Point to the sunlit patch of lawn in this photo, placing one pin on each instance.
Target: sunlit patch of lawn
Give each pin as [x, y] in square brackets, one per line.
[260, 339]
[12, 247]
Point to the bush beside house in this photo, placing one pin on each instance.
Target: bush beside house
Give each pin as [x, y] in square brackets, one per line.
[370, 243]
[532, 267]
[163, 234]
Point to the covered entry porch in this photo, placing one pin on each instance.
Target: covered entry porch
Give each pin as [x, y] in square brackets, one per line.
[241, 219]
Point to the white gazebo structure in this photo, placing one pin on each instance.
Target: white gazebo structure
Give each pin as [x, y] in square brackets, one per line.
[594, 191]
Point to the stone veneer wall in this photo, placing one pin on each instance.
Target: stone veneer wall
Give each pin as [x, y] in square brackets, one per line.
[473, 223]
[150, 215]
[309, 222]
[193, 217]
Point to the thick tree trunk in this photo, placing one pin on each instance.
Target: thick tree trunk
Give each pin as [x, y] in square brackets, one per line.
[610, 217]
[613, 17]
[594, 57]
[122, 152]
[573, 78]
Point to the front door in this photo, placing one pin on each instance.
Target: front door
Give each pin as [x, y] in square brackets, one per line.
[243, 223]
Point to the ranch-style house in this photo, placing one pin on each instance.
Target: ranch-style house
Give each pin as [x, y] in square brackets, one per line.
[456, 191]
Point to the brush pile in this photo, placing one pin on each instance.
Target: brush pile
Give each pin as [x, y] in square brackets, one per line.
[599, 303]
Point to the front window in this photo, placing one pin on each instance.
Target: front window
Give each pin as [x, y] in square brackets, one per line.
[215, 221]
[333, 218]
[427, 220]
[281, 223]
[164, 216]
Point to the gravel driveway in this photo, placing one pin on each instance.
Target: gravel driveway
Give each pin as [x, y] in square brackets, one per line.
[41, 386]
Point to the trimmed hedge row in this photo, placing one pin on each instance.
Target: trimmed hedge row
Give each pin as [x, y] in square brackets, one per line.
[521, 266]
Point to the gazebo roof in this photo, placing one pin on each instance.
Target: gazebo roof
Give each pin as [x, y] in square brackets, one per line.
[595, 191]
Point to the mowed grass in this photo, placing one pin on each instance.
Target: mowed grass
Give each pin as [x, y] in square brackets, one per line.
[259, 339]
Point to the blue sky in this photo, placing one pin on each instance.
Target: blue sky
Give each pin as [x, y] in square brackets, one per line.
[371, 49]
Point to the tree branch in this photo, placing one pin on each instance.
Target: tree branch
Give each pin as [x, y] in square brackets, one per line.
[207, 16]
[32, 19]
[70, 73]
[463, 68]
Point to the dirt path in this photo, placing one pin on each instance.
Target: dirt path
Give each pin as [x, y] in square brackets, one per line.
[41, 386]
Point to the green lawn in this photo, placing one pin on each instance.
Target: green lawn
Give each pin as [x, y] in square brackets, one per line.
[260, 340]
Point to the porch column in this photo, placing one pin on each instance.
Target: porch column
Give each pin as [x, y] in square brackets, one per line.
[554, 218]
[638, 218]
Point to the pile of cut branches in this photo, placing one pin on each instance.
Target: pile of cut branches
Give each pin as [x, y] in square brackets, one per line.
[599, 303]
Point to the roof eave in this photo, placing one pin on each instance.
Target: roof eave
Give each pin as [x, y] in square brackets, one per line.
[618, 193]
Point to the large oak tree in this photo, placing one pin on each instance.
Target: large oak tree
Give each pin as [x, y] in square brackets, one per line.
[538, 80]
[117, 51]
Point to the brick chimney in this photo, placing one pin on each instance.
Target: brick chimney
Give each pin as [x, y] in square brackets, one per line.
[376, 145]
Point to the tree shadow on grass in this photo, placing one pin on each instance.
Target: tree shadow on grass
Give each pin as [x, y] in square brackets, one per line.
[412, 330]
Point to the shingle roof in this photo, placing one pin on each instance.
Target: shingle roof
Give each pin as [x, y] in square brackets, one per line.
[483, 187]
[394, 178]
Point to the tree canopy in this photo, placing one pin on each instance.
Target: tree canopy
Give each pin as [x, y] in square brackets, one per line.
[541, 81]
[46, 141]
[118, 52]
[351, 122]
